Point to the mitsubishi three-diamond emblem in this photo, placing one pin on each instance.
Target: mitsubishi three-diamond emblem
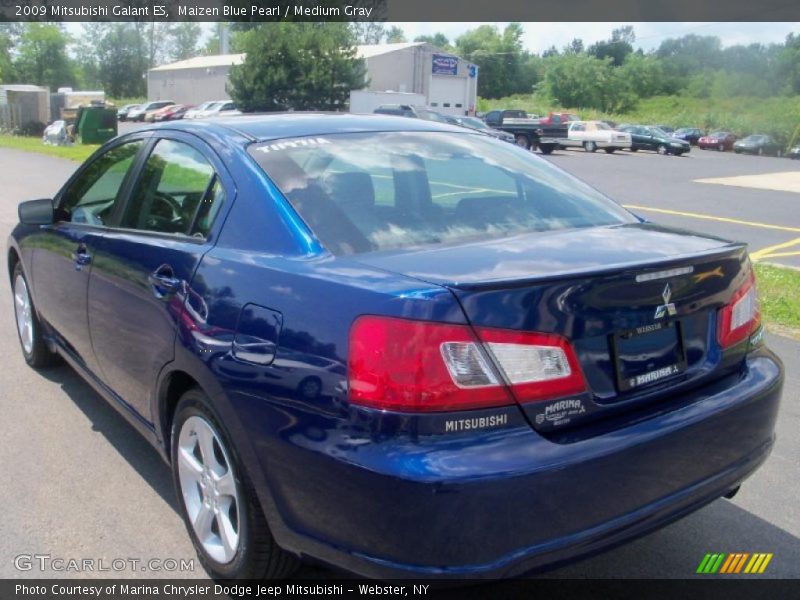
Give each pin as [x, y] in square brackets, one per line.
[668, 308]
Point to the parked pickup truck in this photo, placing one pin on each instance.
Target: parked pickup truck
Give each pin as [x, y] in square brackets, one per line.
[591, 135]
[546, 133]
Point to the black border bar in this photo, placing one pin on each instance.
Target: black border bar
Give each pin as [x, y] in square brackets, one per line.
[628, 11]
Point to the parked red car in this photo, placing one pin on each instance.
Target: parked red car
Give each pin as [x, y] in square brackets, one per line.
[718, 140]
[171, 112]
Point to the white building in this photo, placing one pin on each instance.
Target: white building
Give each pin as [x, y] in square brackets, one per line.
[194, 80]
[448, 83]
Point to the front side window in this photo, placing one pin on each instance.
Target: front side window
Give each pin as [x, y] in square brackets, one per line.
[377, 191]
[177, 192]
[92, 197]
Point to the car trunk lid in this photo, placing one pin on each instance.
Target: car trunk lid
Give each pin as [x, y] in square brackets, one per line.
[638, 304]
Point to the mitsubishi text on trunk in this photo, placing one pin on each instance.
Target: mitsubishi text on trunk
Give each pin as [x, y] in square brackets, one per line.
[395, 346]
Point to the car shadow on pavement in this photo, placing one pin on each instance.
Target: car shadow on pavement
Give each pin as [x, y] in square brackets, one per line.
[128, 442]
[672, 552]
[135, 449]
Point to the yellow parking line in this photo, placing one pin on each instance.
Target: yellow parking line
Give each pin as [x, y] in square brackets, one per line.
[770, 250]
[779, 255]
[713, 218]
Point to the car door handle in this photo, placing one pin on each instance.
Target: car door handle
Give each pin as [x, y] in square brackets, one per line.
[164, 281]
[81, 257]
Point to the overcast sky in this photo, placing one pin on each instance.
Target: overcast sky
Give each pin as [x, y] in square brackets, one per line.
[540, 36]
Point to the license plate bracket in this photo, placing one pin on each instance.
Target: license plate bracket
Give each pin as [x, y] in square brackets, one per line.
[647, 355]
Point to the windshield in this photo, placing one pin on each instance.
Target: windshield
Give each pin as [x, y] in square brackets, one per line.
[658, 132]
[602, 126]
[361, 192]
[753, 138]
[474, 123]
[429, 115]
[719, 134]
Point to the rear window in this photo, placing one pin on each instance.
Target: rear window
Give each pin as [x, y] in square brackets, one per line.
[379, 191]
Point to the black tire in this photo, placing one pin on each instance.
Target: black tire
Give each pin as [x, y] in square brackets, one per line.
[39, 356]
[258, 556]
[609, 150]
[634, 149]
[721, 147]
[590, 146]
[662, 150]
[310, 388]
[522, 141]
[546, 148]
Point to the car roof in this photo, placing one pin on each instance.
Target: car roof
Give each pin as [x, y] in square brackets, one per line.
[301, 124]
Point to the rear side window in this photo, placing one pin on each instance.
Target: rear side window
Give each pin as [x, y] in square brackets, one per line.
[92, 197]
[177, 192]
[363, 192]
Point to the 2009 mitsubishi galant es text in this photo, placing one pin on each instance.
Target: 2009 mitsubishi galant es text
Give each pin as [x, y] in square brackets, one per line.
[396, 346]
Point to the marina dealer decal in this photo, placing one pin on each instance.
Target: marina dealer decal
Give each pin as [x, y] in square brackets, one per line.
[561, 412]
[445, 65]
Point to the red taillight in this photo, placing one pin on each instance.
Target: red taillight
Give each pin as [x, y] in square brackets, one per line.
[741, 316]
[405, 365]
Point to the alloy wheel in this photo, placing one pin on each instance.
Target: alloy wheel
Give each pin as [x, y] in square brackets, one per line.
[208, 487]
[24, 313]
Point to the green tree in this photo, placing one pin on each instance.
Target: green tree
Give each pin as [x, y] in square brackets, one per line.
[123, 61]
[551, 51]
[395, 35]
[583, 81]
[184, 40]
[368, 32]
[688, 56]
[86, 60]
[299, 66]
[9, 35]
[437, 39]
[43, 58]
[212, 44]
[498, 55]
[617, 48]
[531, 73]
[153, 41]
[574, 47]
[788, 64]
[644, 74]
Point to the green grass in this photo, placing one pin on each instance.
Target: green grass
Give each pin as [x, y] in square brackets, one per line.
[77, 152]
[743, 115]
[779, 291]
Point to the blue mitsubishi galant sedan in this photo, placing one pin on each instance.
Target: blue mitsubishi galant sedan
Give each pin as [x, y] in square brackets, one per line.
[396, 346]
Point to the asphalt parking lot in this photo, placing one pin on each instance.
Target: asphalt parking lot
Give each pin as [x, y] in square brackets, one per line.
[755, 199]
[80, 483]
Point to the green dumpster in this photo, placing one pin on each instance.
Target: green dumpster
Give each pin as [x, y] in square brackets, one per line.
[95, 124]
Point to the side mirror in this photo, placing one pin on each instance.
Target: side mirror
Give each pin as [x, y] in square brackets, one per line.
[36, 212]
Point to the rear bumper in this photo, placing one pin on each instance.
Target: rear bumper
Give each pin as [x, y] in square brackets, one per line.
[511, 501]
